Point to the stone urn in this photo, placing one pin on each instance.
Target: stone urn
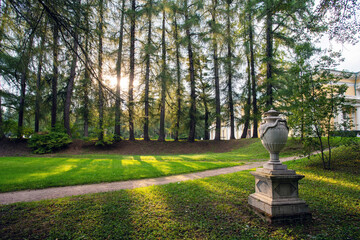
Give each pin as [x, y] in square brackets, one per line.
[276, 198]
[273, 134]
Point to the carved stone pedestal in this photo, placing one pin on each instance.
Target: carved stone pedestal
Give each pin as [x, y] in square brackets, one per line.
[276, 197]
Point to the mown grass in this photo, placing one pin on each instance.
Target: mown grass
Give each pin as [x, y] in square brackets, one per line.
[18, 173]
[210, 208]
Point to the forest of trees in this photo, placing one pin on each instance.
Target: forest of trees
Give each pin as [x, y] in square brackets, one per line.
[157, 69]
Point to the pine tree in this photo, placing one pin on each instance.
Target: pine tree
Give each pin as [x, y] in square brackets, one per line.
[192, 115]
[216, 69]
[132, 70]
[148, 52]
[38, 99]
[55, 76]
[229, 69]
[118, 74]
[100, 70]
[70, 86]
[163, 77]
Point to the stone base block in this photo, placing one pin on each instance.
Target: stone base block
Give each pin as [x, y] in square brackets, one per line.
[280, 210]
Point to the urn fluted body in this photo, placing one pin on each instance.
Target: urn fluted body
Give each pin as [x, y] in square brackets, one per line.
[273, 134]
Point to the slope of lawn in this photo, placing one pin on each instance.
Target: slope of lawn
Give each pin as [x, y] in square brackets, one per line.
[210, 208]
[18, 173]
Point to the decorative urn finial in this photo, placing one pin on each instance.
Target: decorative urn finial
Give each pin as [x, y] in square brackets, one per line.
[273, 134]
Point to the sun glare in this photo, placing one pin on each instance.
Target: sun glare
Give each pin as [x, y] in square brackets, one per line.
[111, 80]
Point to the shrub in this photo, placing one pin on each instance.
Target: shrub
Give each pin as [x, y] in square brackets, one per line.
[47, 143]
[107, 141]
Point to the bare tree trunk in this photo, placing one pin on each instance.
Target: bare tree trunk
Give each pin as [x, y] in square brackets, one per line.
[70, 87]
[269, 55]
[147, 76]
[229, 72]
[178, 77]
[192, 130]
[248, 101]
[100, 62]
[23, 79]
[207, 113]
[118, 75]
[38, 99]
[132, 71]
[55, 74]
[87, 81]
[3, 12]
[253, 77]
[163, 83]
[216, 74]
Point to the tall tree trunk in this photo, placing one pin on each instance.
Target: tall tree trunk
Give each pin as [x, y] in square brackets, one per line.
[70, 86]
[248, 101]
[253, 77]
[24, 72]
[132, 70]
[163, 82]
[205, 102]
[229, 72]
[192, 130]
[55, 74]
[100, 62]
[178, 77]
[3, 12]
[269, 54]
[118, 75]
[87, 81]
[38, 99]
[147, 75]
[216, 74]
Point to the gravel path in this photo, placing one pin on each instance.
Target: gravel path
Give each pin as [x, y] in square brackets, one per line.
[59, 192]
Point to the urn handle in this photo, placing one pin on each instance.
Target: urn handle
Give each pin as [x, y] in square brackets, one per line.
[262, 133]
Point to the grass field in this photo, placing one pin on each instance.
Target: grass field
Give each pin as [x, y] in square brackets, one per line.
[18, 173]
[210, 208]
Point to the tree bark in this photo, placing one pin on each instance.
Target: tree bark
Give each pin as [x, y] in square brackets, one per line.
[23, 79]
[192, 130]
[87, 81]
[248, 101]
[253, 77]
[269, 54]
[178, 77]
[229, 72]
[207, 113]
[118, 76]
[70, 86]
[55, 74]
[100, 62]
[216, 75]
[163, 83]
[147, 75]
[38, 99]
[132, 70]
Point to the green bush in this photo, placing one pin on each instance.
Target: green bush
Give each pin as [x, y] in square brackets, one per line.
[108, 140]
[47, 143]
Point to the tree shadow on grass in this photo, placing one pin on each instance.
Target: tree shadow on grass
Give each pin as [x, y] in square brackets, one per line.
[210, 208]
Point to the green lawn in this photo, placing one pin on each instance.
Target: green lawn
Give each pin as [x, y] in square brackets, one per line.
[18, 173]
[210, 208]
[33, 173]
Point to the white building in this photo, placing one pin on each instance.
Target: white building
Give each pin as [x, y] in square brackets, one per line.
[353, 95]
